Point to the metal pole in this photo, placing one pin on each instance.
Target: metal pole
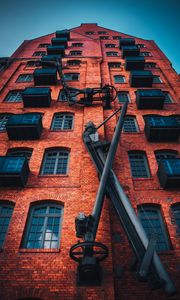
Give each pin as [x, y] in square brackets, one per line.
[107, 119]
[107, 167]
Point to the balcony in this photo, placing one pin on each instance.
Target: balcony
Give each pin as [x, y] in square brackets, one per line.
[134, 63]
[169, 173]
[24, 126]
[162, 129]
[37, 97]
[45, 76]
[63, 33]
[126, 42]
[141, 79]
[56, 50]
[63, 41]
[47, 58]
[14, 171]
[130, 51]
[150, 99]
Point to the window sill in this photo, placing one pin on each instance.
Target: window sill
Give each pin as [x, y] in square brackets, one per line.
[52, 175]
[61, 130]
[39, 250]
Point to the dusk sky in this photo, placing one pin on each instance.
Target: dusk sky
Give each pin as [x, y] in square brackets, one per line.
[149, 19]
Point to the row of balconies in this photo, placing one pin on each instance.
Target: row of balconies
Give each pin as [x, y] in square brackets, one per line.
[14, 171]
[41, 97]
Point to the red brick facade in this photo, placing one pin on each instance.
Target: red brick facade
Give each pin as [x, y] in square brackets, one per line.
[50, 274]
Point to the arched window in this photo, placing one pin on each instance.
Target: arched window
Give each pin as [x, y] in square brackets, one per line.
[165, 154]
[55, 162]
[6, 210]
[176, 217]
[139, 164]
[152, 223]
[27, 152]
[43, 226]
[62, 121]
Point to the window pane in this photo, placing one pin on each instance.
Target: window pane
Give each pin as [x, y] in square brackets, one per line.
[130, 125]
[119, 79]
[164, 155]
[25, 78]
[3, 121]
[123, 97]
[55, 162]
[139, 166]
[157, 79]
[14, 96]
[168, 98]
[19, 152]
[62, 122]
[5, 217]
[176, 214]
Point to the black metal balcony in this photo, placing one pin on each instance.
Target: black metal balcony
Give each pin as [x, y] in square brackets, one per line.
[47, 58]
[56, 50]
[126, 42]
[24, 126]
[14, 171]
[130, 51]
[62, 41]
[169, 173]
[63, 33]
[134, 63]
[150, 99]
[141, 79]
[37, 97]
[45, 76]
[162, 129]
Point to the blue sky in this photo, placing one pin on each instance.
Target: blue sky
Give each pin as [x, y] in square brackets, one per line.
[149, 19]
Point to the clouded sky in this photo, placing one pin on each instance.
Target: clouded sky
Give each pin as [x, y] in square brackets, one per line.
[149, 19]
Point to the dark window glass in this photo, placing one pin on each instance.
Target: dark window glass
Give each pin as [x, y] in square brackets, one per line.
[102, 32]
[139, 165]
[73, 62]
[55, 162]
[145, 54]
[6, 211]
[39, 53]
[116, 37]
[104, 38]
[112, 53]
[114, 65]
[62, 121]
[150, 65]
[25, 78]
[119, 79]
[45, 45]
[110, 45]
[140, 46]
[130, 124]
[176, 215]
[3, 121]
[71, 76]
[157, 79]
[20, 152]
[165, 155]
[75, 52]
[14, 96]
[168, 98]
[89, 32]
[32, 64]
[123, 97]
[63, 98]
[77, 44]
[43, 229]
[152, 223]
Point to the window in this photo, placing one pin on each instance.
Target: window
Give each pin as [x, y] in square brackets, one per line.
[140, 46]
[25, 78]
[63, 98]
[14, 96]
[130, 124]
[110, 45]
[6, 211]
[168, 98]
[139, 165]
[145, 54]
[104, 38]
[45, 45]
[123, 97]
[112, 53]
[77, 44]
[62, 121]
[73, 62]
[71, 76]
[116, 37]
[55, 162]
[119, 79]
[176, 217]
[150, 65]
[32, 64]
[20, 152]
[3, 120]
[39, 53]
[75, 52]
[152, 222]
[114, 65]
[89, 32]
[165, 155]
[157, 79]
[43, 227]
[102, 32]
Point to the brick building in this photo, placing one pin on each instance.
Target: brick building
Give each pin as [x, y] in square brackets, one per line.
[47, 176]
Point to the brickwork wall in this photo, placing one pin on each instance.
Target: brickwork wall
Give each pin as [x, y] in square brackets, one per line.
[50, 274]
